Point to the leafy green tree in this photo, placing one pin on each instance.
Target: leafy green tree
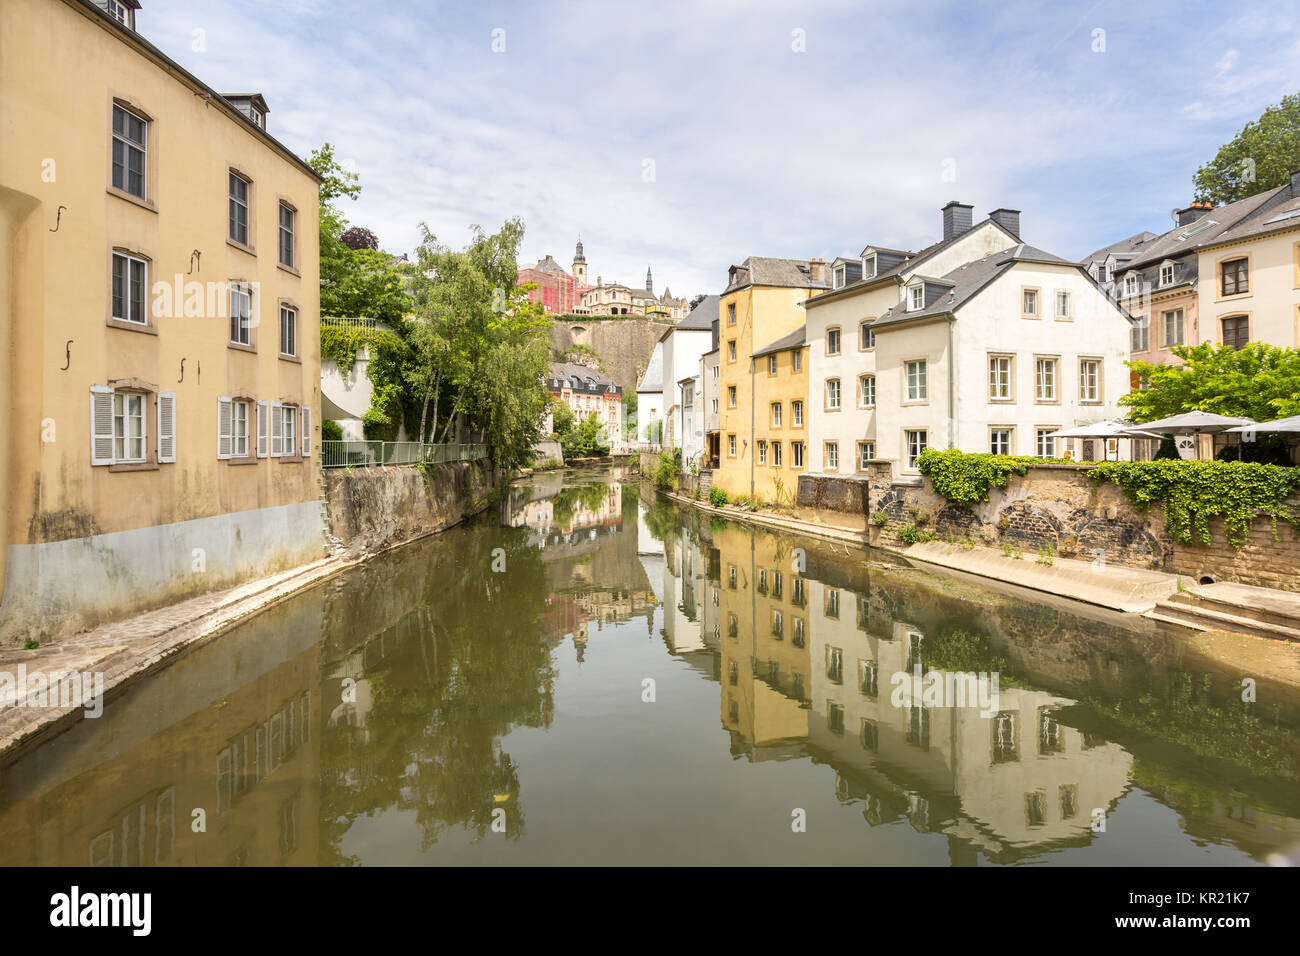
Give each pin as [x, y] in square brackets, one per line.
[561, 416]
[584, 441]
[1258, 381]
[1260, 157]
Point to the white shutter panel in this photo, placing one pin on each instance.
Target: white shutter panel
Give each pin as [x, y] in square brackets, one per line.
[166, 426]
[277, 430]
[225, 416]
[263, 429]
[101, 425]
[306, 431]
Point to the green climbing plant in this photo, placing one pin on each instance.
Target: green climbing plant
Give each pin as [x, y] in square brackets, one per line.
[1193, 492]
[965, 479]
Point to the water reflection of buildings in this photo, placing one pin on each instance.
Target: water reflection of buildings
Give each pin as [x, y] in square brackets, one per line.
[556, 515]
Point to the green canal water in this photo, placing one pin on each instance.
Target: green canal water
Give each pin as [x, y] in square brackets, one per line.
[587, 675]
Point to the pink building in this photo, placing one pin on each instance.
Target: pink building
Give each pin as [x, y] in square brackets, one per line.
[557, 290]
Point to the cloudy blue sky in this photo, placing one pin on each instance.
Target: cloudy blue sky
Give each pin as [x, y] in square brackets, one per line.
[692, 134]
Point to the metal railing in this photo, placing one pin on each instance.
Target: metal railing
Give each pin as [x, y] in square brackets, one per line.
[369, 454]
[352, 322]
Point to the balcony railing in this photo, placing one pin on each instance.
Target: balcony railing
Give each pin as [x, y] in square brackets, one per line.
[371, 454]
[352, 322]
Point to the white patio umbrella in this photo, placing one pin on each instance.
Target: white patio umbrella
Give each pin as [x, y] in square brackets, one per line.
[1103, 430]
[1191, 423]
[1279, 426]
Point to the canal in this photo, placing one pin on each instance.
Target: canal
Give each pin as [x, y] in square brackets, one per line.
[585, 674]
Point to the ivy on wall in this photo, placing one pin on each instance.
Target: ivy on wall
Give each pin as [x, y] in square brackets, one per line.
[1193, 492]
[965, 479]
[387, 352]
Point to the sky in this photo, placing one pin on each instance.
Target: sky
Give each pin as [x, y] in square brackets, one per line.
[688, 135]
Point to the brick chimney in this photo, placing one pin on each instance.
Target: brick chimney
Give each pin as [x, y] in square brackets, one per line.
[956, 218]
[1008, 219]
[817, 270]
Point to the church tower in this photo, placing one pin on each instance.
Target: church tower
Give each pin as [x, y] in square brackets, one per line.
[649, 281]
[579, 265]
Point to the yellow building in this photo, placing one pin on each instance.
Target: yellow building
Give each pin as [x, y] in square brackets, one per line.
[763, 408]
[159, 329]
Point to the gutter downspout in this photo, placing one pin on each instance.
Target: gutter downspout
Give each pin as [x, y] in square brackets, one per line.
[753, 442]
[952, 381]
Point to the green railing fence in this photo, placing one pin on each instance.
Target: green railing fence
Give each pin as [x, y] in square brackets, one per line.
[369, 454]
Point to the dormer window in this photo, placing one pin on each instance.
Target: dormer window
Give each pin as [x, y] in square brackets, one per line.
[1130, 284]
[1166, 273]
[869, 267]
[838, 278]
[121, 12]
[916, 297]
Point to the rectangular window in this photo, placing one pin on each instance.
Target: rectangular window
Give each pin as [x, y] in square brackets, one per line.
[832, 454]
[1172, 324]
[286, 235]
[289, 417]
[916, 386]
[832, 393]
[288, 330]
[1062, 304]
[731, 351]
[1089, 380]
[239, 209]
[239, 430]
[832, 341]
[1140, 334]
[130, 289]
[130, 143]
[731, 396]
[1000, 378]
[916, 443]
[916, 297]
[241, 310]
[1045, 380]
[731, 314]
[762, 452]
[867, 391]
[866, 452]
[776, 454]
[866, 336]
[1000, 441]
[796, 414]
[1029, 304]
[1236, 331]
[796, 452]
[1236, 277]
[1166, 275]
[1130, 285]
[128, 427]
[796, 361]
[731, 446]
[1045, 443]
[776, 414]
[771, 364]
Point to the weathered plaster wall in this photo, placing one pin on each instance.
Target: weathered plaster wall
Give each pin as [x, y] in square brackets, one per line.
[369, 509]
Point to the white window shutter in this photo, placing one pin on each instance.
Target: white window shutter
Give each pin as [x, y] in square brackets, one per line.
[306, 431]
[277, 430]
[225, 416]
[166, 426]
[263, 428]
[101, 425]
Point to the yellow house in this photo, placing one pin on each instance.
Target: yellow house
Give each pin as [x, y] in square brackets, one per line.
[159, 327]
[762, 310]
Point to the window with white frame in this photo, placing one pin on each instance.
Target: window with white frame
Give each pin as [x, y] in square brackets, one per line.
[866, 452]
[1089, 380]
[869, 267]
[287, 217]
[771, 364]
[866, 336]
[916, 380]
[238, 208]
[731, 351]
[796, 453]
[130, 151]
[130, 289]
[288, 330]
[1045, 380]
[838, 279]
[1029, 301]
[241, 312]
[915, 298]
[240, 420]
[1140, 334]
[832, 341]
[796, 414]
[762, 452]
[915, 442]
[120, 430]
[776, 414]
[1000, 441]
[866, 391]
[731, 446]
[731, 396]
[796, 361]
[129, 430]
[1130, 284]
[832, 393]
[1167, 274]
[1000, 378]
[119, 12]
[1045, 442]
[1172, 322]
[776, 454]
[288, 430]
[832, 454]
[1062, 304]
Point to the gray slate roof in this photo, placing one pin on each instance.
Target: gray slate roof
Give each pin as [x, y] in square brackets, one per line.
[793, 340]
[1278, 212]
[653, 379]
[787, 273]
[702, 316]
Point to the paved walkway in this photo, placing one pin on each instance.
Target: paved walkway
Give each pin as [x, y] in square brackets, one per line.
[125, 650]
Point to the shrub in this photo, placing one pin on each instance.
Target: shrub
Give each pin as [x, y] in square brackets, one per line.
[717, 497]
[330, 430]
[880, 518]
[910, 534]
[665, 473]
[965, 478]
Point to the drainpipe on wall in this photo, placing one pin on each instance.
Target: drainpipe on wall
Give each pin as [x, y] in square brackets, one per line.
[753, 443]
[952, 380]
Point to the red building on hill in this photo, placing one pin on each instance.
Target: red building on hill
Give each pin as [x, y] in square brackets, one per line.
[557, 290]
